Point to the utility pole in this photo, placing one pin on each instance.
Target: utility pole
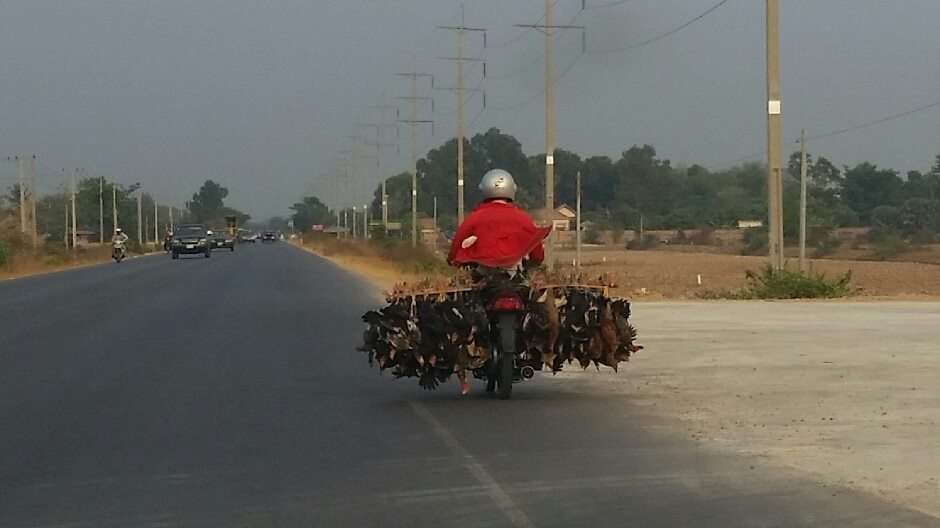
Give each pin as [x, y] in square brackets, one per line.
[140, 217]
[548, 28]
[32, 200]
[156, 222]
[21, 173]
[577, 236]
[378, 159]
[114, 212]
[74, 215]
[414, 122]
[65, 223]
[171, 218]
[460, 60]
[803, 200]
[101, 210]
[774, 176]
[435, 213]
[354, 222]
[365, 222]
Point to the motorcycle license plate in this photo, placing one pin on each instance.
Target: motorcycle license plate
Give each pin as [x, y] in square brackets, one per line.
[190, 246]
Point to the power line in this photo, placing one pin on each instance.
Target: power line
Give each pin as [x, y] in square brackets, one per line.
[664, 35]
[535, 96]
[876, 121]
[539, 57]
[524, 32]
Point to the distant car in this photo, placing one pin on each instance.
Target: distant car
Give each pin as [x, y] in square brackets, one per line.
[190, 239]
[221, 240]
[248, 237]
[269, 236]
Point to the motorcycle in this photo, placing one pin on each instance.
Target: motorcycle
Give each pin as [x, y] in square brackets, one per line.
[504, 294]
[118, 251]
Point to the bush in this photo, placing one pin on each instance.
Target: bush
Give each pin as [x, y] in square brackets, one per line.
[705, 236]
[923, 237]
[648, 242]
[592, 235]
[785, 284]
[826, 246]
[889, 246]
[755, 242]
[4, 254]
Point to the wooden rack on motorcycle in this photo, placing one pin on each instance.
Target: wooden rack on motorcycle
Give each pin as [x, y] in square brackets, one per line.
[501, 328]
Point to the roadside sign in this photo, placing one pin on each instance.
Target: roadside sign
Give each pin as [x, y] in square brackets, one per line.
[316, 227]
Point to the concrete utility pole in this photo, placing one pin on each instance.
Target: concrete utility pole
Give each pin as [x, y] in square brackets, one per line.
[114, 212]
[365, 222]
[21, 173]
[354, 233]
[435, 214]
[803, 200]
[460, 60]
[101, 210]
[156, 222]
[774, 176]
[140, 217]
[74, 212]
[548, 29]
[378, 159]
[414, 122]
[577, 236]
[65, 232]
[34, 231]
[171, 218]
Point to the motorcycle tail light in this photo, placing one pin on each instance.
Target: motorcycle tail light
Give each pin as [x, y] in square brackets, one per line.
[507, 304]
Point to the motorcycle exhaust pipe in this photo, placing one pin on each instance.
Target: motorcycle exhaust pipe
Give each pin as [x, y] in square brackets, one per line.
[527, 372]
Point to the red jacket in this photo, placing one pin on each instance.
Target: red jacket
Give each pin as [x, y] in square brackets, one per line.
[505, 235]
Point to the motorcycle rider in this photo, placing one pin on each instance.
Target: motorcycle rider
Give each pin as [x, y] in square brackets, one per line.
[119, 239]
[167, 239]
[497, 234]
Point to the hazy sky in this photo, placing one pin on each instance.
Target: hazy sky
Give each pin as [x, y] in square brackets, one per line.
[261, 95]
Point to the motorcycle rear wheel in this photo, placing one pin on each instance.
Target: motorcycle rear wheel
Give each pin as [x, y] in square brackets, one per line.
[507, 355]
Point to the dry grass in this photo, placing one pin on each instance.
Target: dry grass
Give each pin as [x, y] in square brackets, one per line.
[48, 260]
[382, 263]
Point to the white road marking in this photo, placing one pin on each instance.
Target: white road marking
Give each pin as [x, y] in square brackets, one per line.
[503, 501]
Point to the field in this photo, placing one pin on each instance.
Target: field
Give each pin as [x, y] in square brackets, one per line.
[669, 274]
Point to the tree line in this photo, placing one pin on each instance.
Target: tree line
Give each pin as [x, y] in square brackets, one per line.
[617, 193]
[206, 206]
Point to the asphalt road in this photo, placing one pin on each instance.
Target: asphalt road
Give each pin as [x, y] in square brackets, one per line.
[226, 392]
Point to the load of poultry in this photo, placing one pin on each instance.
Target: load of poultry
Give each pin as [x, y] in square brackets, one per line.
[432, 333]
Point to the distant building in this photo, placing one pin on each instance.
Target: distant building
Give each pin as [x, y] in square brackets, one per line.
[750, 224]
[561, 218]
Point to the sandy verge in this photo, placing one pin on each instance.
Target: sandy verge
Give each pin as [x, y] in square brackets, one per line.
[846, 393]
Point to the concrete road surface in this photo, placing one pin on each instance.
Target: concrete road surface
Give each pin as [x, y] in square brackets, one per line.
[226, 392]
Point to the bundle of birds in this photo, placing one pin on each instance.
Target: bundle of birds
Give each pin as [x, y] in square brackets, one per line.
[432, 336]
[428, 336]
[579, 324]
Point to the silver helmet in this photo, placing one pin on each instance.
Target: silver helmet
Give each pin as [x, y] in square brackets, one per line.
[498, 183]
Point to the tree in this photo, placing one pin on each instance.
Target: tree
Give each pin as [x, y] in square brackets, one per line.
[206, 205]
[311, 211]
[920, 215]
[866, 187]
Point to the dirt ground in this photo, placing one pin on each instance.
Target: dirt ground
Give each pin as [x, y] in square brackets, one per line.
[674, 275]
[845, 392]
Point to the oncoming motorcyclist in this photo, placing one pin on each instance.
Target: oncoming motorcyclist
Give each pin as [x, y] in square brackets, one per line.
[497, 234]
[119, 238]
